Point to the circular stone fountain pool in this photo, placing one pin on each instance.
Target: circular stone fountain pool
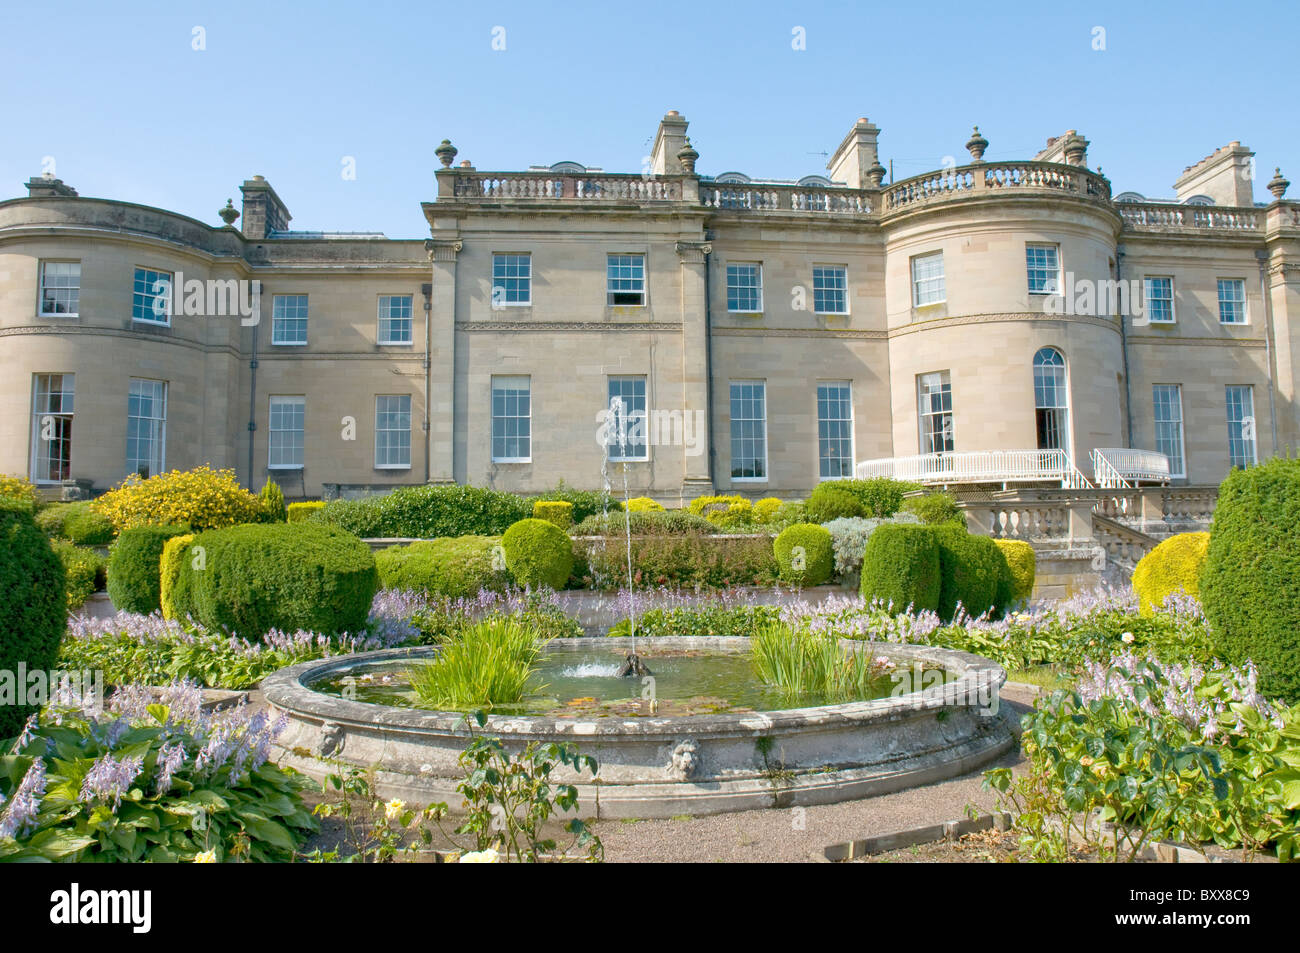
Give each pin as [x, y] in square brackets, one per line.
[717, 740]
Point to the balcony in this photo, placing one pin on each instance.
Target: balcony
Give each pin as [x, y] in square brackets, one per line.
[979, 466]
[1120, 467]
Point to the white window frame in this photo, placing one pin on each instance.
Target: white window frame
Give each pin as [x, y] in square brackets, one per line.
[1058, 386]
[271, 430]
[157, 461]
[43, 284]
[1248, 412]
[67, 408]
[1032, 268]
[928, 280]
[633, 414]
[153, 277]
[276, 328]
[924, 390]
[731, 398]
[821, 272]
[847, 399]
[507, 260]
[615, 259]
[513, 383]
[756, 288]
[1245, 311]
[386, 320]
[1147, 298]
[400, 398]
[1177, 389]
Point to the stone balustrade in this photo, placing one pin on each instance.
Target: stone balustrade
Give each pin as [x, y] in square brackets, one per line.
[1160, 216]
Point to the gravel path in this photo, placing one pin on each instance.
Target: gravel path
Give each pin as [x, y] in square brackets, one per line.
[789, 836]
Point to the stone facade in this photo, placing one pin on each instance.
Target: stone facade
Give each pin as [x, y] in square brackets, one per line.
[571, 334]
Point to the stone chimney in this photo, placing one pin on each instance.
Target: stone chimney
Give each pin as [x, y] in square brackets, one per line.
[43, 186]
[263, 211]
[669, 140]
[855, 158]
[1070, 149]
[1225, 175]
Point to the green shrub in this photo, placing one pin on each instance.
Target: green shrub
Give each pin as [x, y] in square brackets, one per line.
[1249, 583]
[831, 501]
[1173, 566]
[50, 517]
[936, 509]
[881, 497]
[134, 567]
[445, 567]
[849, 537]
[427, 512]
[727, 512]
[83, 568]
[645, 523]
[257, 577]
[688, 561]
[643, 504]
[585, 502]
[169, 570]
[33, 602]
[766, 509]
[901, 566]
[86, 526]
[1017, 583]
[559, 512]
[538, 553]
[272, 499]
[297, 512]
[971, 568]
[803, 554]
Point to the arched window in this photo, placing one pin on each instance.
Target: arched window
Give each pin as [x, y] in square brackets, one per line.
[1051, 403]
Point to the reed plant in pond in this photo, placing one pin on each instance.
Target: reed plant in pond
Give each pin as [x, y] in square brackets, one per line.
[807, 663]
[487, 665]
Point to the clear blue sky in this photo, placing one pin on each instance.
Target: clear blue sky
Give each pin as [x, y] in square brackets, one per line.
[129, 110]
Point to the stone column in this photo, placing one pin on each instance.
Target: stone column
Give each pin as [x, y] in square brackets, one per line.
[442, 359]
[697, 475]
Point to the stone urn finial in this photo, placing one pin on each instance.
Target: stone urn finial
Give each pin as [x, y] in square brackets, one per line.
[229, 213]
[977, 144]
[1278, 185]
[445, 153]
[687, 155]
[875, 174]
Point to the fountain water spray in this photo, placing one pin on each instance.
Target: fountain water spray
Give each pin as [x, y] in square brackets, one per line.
[632, 665]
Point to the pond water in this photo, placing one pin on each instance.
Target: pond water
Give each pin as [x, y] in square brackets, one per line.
[584, 683]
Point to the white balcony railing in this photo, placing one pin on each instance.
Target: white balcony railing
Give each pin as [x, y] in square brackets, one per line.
[979, 466]
[1128, 466]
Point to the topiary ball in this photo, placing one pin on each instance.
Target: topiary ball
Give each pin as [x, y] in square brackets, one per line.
[538, 553]
[1173, 566]
[901, 566]
[804, 554]
[831, 502]
[33, 603]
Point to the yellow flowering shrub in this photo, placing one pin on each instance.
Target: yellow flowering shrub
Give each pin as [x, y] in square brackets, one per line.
[767, 508]
[19, 488]
[203, 497]
[643, 504]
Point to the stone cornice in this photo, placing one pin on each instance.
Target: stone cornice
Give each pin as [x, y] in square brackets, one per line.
[133, 336]
[1160, 341]
[760, 331]
[1003, 317]
[513, 327]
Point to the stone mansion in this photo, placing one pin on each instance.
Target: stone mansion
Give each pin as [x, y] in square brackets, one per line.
[991, 322]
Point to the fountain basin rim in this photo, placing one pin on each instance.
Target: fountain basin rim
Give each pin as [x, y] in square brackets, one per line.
[288, 690]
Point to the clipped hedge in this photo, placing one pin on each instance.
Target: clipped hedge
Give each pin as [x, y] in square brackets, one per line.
[257, 577]
[901, 566]
[1249, 584]
[689, 561]
[585, 502]
[830, 501]
[804, 556]
[971, 569]
[559, 512]
[428, 512]
[133, 567]
[297, 512]
[645, 523]
[1021, 566]
[880, 497]
[83, 569]
[1173, 566]
[643, 504]
[33, 603]
[86, 526]
[538, 553]
[169, 569]
[459, 567]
